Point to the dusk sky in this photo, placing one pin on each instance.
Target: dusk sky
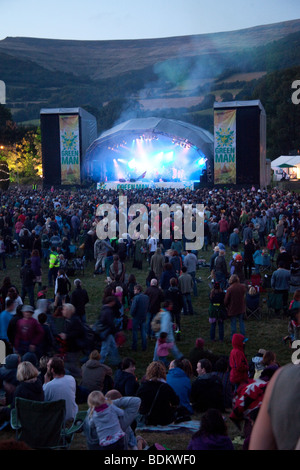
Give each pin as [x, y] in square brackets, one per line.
[137, 19]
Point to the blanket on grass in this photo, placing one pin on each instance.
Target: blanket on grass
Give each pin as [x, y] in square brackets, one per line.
[185, 426]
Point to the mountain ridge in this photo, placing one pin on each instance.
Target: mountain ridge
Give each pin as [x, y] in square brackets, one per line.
[104, 59]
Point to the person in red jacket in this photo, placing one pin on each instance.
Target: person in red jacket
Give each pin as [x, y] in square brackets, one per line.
[272, 244]
[29, 333]
[238, 362]
[223, 229]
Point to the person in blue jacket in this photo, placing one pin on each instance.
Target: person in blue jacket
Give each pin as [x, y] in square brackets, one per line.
[179, 378]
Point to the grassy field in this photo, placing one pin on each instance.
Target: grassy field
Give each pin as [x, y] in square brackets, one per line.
[266, 333]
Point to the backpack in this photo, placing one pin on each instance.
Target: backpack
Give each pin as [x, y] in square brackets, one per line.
[90, 340]
[156, 323]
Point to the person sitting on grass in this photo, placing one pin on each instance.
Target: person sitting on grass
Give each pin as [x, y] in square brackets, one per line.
[212, 434]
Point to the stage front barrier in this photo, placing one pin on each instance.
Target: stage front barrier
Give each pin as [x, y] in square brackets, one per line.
[116, 185]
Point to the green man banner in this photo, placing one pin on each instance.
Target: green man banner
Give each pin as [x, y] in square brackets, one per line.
[69, 149]
[225, 146]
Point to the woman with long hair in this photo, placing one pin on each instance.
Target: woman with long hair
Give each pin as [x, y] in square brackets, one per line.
[212, 434]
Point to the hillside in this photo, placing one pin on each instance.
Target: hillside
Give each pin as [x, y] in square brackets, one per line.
[177, 77]
[105, 59]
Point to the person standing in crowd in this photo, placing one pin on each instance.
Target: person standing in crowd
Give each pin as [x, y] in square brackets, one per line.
[166, 326]
[157, 263]
[5, 317]
[223, 230]
[217, 311]
[190, 262]
[79, 298]
[239, 367]
[156, 297]
[106, 329]
[62, 287]
[28, 334]
[221, 270]
[73, 336]
[175, 296]
[235, 303]
[101, 247]
[280, 283]
[27, 276]
[2, 253]
[234, 240]
[54, 263]
[249, 250]
[186, 286]
[25, 246]
[36, 267]
[138, 312]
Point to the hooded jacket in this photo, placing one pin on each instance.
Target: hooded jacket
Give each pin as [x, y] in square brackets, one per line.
[238, 363]
[93, 375]
[107, 424]
[181, 385]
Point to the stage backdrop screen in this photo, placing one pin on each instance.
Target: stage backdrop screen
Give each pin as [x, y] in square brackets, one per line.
[225, 146]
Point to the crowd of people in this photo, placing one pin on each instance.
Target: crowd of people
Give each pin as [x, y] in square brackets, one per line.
[246, 232]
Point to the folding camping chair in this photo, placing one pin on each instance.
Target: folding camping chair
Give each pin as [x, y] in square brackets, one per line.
[41, 425]
[253, 306]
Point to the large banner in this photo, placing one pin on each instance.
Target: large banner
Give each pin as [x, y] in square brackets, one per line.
[69, 149]
[225, 146]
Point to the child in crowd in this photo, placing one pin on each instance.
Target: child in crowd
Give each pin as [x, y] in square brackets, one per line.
[163, 348]
[103, 417]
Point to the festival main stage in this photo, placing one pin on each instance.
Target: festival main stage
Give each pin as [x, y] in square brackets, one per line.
[117, 185]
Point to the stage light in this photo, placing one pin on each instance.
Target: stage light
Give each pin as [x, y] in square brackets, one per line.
[201, 161]
[132, 164]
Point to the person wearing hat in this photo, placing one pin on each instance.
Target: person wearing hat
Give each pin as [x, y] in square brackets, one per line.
[200, 352]
[238, 267]
[29, 332]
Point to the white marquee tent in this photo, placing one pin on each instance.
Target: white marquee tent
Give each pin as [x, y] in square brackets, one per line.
[293, 170]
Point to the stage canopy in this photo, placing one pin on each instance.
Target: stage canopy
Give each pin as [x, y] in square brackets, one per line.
[151, 149]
